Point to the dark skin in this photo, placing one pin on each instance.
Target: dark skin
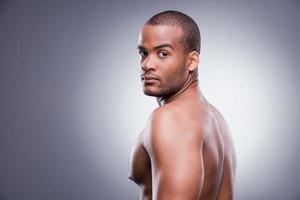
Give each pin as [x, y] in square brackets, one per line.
[185, 152]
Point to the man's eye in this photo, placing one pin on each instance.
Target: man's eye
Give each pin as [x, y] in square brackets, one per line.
[163, 54]
[143, 53]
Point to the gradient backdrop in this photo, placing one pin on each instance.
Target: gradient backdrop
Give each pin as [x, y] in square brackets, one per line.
[71, 99]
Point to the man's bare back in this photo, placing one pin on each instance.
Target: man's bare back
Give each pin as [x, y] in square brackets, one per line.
[185, 152]
[203, 122]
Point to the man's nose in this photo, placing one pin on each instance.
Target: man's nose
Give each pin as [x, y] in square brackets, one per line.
[148, 63]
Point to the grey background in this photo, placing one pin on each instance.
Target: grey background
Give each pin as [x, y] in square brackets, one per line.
[71, 101]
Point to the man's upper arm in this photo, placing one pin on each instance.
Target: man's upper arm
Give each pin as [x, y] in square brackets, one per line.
[176, 155]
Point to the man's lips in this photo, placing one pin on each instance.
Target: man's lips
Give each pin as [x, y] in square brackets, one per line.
[149, 77]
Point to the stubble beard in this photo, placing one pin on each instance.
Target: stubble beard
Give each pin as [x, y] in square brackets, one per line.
[167, 88]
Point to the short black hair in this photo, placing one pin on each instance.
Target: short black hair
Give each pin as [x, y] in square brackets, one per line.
[192, 38]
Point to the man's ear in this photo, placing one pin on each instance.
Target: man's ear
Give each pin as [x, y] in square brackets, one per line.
[193, 60]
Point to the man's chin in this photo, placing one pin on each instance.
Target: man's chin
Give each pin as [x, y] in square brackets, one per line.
[151, 93]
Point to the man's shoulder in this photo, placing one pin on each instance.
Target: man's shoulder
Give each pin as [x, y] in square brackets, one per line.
[164, 116]
[167, 121]
[166, 129]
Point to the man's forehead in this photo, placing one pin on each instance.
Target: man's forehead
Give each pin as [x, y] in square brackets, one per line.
[155, 35]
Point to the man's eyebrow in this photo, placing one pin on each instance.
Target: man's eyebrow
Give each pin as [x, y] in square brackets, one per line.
[141, 47]
[164, 45]
[157, 47]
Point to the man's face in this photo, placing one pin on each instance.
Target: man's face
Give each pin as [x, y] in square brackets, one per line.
[163, 60]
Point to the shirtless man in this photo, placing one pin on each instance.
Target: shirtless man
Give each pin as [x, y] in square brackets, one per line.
[185, 152]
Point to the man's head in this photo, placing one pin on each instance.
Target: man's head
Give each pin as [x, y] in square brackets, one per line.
[169, 45]
[191, 34]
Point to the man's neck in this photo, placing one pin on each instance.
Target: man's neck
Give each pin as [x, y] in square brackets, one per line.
[191, 86]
